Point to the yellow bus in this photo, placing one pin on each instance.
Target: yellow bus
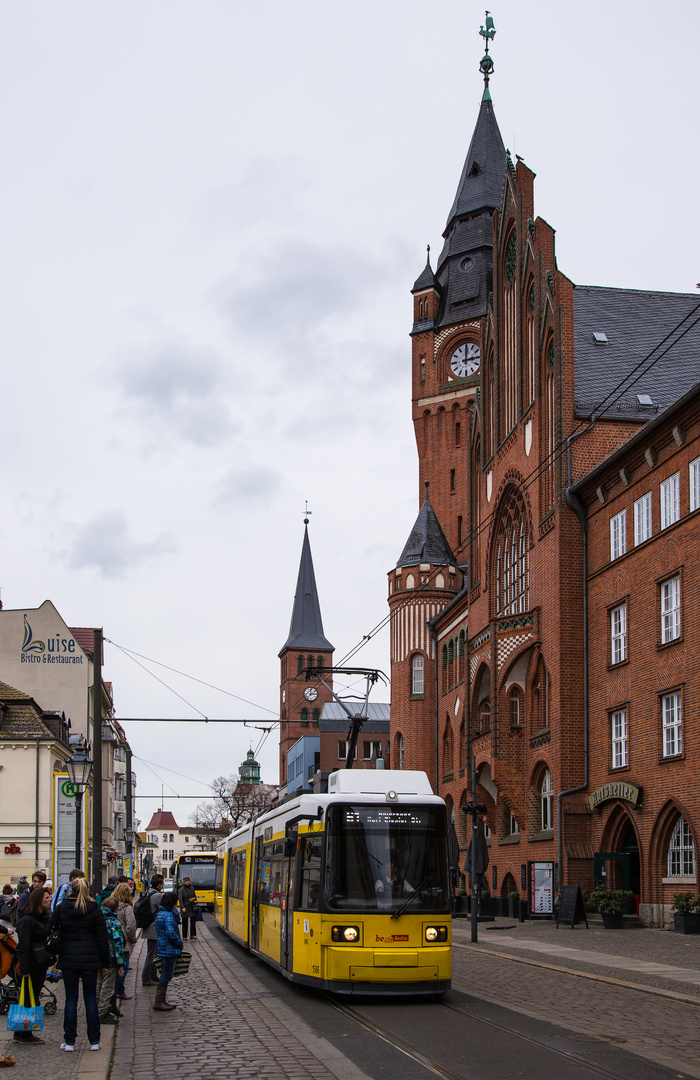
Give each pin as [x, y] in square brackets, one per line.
[200, 868]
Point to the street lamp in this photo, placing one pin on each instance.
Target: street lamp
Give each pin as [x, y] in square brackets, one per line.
[79, 767]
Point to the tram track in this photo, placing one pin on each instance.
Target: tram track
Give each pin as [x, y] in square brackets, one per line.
[442, 1070]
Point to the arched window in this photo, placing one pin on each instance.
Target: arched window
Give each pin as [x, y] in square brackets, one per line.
[300, 664]
[509, 331]
[451, 663]
[549, 471]
[304, 717]
[447, 765]
[417, 674]
[444, 669]
[531, 362]
[172, 838]
[475, 522]
[681, 851]
[309, 661]
[485, 715]
[398, 743]
[547, 801]
[315, 715]
[165, 838]
[462, 745]
[516, 702]
[319, 662]
[540, 698]
[512, 556]
[460, 671]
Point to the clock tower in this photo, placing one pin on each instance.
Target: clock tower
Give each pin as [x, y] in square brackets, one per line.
[449, 320]
[306, 647]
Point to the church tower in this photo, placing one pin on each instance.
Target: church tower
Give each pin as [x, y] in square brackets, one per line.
[306, 647]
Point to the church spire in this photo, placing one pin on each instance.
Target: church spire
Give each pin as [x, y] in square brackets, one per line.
[427, 542]
[306, 628]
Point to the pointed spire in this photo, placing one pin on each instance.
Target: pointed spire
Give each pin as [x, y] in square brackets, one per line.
[427, 542]
[306, 627]
[427, 279]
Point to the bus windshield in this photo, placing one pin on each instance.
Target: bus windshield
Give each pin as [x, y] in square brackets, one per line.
[202, 874]
[383, 858]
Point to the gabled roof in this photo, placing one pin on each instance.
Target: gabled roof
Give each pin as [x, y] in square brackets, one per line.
[306, 628]
[636, 328]
[427, 542]
[84, 636]
[22, 718]
[162, 819]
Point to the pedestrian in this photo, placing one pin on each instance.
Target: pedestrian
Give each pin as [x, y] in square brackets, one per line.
[149, 975]
[32, 958]
[84, 952]
[109, 888]
[64, 890]
[187, 899]
[8, 903]
[169, 948]
[107, 980]
[22, 884]
[125, 913]
[38, 882]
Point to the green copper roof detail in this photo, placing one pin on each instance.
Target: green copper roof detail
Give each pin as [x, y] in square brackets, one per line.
[488, 33]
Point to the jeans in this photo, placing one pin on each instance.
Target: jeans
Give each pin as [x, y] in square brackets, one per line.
[191, 921]
[120, 978]
[71, 981]
[149, 971]
[167, 971]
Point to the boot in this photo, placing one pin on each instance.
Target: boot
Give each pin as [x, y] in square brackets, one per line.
[160, 1004]
[168, 1004]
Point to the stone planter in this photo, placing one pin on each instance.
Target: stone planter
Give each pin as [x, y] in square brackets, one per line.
[688, 923]
[612, 922]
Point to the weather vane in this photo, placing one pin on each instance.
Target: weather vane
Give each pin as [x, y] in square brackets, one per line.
[307, 512]
[488, 33]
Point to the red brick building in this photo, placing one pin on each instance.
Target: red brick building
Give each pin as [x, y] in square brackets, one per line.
[532, 397]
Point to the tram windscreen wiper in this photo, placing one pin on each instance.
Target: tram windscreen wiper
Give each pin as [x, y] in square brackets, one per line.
[411, 896]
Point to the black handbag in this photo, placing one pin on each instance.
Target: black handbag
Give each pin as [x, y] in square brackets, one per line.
[53, 941]
[43, 958]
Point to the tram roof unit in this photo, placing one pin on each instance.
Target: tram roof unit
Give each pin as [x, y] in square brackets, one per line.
[362, 785]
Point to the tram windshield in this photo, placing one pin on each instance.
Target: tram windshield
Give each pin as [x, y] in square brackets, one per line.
[382, 858]
[200, 869]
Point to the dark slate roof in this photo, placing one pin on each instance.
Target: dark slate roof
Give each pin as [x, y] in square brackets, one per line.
[464, 269]
[639, 327]
[427, 542]
[306, 628]
[426, 280]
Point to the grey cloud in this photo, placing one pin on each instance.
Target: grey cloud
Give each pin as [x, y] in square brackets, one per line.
[247, 486]
[103, 542]
[181, 387]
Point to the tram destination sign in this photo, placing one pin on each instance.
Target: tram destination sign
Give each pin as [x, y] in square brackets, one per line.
[618, 789]
[196, 858]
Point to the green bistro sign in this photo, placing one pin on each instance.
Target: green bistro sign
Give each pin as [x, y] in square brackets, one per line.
[617, 790]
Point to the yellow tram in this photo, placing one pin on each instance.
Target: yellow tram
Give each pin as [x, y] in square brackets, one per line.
[346, 891]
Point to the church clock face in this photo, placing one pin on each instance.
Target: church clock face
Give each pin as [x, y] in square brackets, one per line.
[465, 360]
[311, 693]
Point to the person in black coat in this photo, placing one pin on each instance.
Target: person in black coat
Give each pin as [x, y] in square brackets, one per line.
[84, 952]
[32, 957]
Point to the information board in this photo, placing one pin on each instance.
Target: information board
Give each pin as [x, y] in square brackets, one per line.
[541, 888]
[64, 838]
[570, 909]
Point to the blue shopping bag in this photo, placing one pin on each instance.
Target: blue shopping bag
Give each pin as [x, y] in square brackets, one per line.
[23, 1017]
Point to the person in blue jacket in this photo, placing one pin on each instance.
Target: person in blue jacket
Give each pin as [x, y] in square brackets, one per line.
[169, 947]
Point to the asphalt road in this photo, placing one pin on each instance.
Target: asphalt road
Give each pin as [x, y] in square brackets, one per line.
[459, 1035]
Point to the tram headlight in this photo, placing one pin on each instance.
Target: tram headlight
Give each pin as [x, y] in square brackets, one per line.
[345, 933]
[436, 933]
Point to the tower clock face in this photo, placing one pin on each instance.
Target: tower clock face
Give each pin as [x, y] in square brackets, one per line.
[465, 360]
[311, 693]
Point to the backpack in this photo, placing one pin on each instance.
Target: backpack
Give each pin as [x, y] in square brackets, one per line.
[115, 936]
[142, 910]
[60, 895]
[7, 908]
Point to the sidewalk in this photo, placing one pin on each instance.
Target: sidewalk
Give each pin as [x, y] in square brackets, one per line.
[227, 1026]
[640, 988]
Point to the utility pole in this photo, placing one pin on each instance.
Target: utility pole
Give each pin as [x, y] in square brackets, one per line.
[97, 757]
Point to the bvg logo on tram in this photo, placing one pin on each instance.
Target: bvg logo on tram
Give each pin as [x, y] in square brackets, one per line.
[389, 939]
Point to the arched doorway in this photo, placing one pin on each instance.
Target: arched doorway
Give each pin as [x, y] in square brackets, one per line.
[619, 865]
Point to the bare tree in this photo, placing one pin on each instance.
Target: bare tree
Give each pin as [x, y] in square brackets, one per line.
[234, 802]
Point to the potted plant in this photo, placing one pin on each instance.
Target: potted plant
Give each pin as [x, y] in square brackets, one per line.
[686, 913]
[610, 903]
[513, 904]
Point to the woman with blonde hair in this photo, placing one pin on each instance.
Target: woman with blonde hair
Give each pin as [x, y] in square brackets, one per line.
[125, 913]
[84, 952]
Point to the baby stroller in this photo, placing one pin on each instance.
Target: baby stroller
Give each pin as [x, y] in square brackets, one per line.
[11, 980]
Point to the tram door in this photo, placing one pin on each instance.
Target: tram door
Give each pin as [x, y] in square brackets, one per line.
[256, 886]
[287, 920]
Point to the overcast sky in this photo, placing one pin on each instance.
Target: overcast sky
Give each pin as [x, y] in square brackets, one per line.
[212, 216]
